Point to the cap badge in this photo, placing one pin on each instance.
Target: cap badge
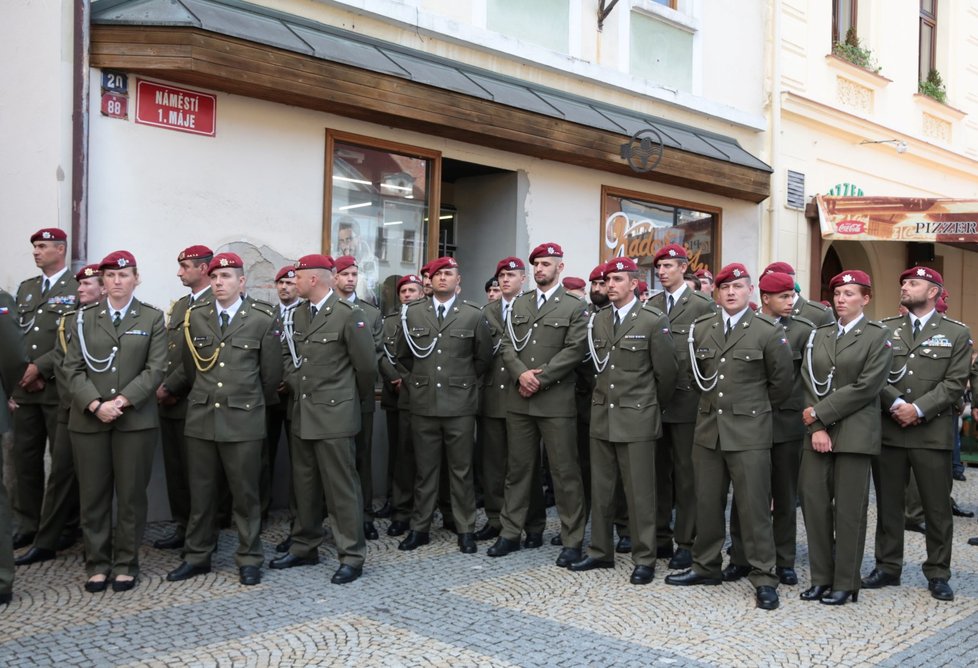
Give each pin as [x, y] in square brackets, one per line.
[122, 262]
[620, 265]
[46, 235]
[672, 253]
[921, 272]
[550, 249]
[847, 278]
[512, 265]
[736, 272]
[89, 271]
[224, 262]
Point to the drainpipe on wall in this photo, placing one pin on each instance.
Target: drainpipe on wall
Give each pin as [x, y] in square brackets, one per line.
[79, 134]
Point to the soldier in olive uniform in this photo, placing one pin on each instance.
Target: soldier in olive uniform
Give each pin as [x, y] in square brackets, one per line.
[446, 347]
[59, 514]
[931, 361]
[813, 311]
[12, 363]
[674, 481]
[232, 354]
[41, 301]
[497, 386]
[330, 368]
[347, 275]
[743, 366]
[544, 344]
[171, 395]
[409, 289]
[634, 358]
[777, 296]
[844, 372]
[115, 361]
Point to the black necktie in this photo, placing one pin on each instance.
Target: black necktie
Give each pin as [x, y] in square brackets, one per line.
[312, 312]
[670, 303]
[225, 321]
[617, 321]
[45, 287]
[441, 312]
[543, 300]
[117, 318]
[726, 334]
[916, 328]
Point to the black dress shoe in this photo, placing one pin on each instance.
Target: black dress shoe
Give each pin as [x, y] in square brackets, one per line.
[466, 543]
[172, 542]
[185, 571]
[767, 598]
[734, 572]
[642, 575]
[839, 597]
[289, 560]
[568, 556]
[533, 540]
[682, 559]
[815, 593]
[96, 586]
[345, 573]
[624, 545]
[786, 575]
[6, 598]
[973, 541]
[940, 589]
[487, 532]
[23, 539]
[398, 528]
[589, 564]
[249, 575]
[556, 540]
[958, 512]
[123, 585]
[959, 476]
[448, 524]
[370, 531]
[414, 540]
[691, 577]
[284, 545]
[502, 547]
[35, 555]
[664, 552]
[917, 527]
[385, 510]
[878, 579]
[66, 541]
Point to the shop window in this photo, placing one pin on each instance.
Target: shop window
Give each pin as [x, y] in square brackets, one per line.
[543, 22]
[660, 51]
[843, 18]
[377, 201]
[928, 38]
[636, 225]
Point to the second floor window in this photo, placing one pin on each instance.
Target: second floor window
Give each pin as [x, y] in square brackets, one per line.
[843, 18]
[928, 38]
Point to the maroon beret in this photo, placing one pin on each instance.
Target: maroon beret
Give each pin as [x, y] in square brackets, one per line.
[619, 264]
[923, 272]
[509, 263]
[426, 269]
[643, 287]
[732, 272]
[573, 283]
[850, 276]
[704, 273]
[941, 305]
[776, 282]
[670, 252]
[344, 262]
[49, 234]
[225, 261]
[119, 259]
[288, 271]
[444, 262]
[546, 250]
[194, 253]
[409, 278]
[88, 271]
[314, 261]
[780, 268]
[597, 274]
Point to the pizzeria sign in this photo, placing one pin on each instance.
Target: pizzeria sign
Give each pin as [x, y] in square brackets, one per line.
[921, 219]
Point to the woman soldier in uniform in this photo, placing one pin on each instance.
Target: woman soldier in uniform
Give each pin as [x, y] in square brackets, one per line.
[114, 363]
[844, 371]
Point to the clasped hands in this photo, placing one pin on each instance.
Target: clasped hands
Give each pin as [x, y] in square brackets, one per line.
[109, 411]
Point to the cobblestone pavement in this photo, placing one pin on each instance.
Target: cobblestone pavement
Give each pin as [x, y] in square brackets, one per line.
[438, 607]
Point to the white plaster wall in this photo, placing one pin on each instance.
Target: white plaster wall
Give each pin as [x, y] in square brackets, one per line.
[155, 191]
[35, 129]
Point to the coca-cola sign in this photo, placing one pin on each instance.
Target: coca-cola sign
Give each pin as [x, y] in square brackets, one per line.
[851, 227]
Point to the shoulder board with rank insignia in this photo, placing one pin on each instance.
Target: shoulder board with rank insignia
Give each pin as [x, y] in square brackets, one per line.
[696, 294]
[874, 323]
[705, 317]
[765, 318]
[647, 306]
[472, 304]
[893, 317]
[149, 306]
[956, 322]
[803, 320]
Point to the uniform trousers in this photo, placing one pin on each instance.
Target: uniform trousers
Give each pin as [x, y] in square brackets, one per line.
[365, 463]
[402, 488]
[240, 463]
[59, 512]
[6, 539]
[750, 473]
[495, 454]
[560, 441]
[277, 422]
[785, 462]
[106, 462]
[834, 492]
[34, 424]
[327, 467]
[675, 485]
[932, 469]
[436, 439]
[177, 470]
[393, 438]
[632, 466]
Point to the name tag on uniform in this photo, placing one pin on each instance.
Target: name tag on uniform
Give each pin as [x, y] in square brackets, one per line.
[136, 332]
[635, 336]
